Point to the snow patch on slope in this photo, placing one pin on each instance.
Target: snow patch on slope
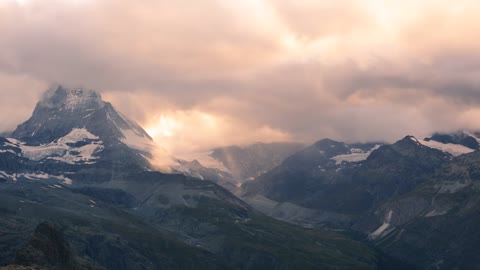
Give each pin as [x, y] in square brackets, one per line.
[64, 149]
[38, 176]
[8, 176]
[473, 135]
[415, 140]
[77, 135]
[356, 155]
[45, 176]
[137, 141]
[437, 212]
[8, 151]
[380, 230]
[385, 228]
[453, 149]
[131, 134]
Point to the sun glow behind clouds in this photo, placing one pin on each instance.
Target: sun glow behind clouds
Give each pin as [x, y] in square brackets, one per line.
[212, 72]
[183, 132]
[165, 127]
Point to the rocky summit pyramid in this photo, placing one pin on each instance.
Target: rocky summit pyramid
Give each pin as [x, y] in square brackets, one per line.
[61, 110]
[75, 127]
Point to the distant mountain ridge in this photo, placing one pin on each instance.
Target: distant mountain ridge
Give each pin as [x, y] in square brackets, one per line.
[343, 179]
[416, 199]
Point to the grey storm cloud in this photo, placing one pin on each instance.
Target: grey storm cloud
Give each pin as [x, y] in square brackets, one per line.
[224, 71]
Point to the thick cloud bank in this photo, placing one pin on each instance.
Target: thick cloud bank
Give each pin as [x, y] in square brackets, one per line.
[204, 73]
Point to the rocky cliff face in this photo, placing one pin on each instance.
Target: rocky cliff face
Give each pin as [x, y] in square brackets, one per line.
[434, 226]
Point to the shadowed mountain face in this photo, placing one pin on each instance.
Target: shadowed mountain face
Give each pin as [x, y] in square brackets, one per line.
[339, 183]
[330, 176]
[48, 249]
[79, 163]
[97, 231]
[435, 225]
[416, 201]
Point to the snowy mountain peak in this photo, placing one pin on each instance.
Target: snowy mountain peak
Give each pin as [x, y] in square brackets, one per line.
[76, 126]
[411, 138]
[71, 99]
[408, 141]
[62, 110]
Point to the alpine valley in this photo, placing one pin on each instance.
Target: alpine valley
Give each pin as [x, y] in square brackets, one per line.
[84, 187]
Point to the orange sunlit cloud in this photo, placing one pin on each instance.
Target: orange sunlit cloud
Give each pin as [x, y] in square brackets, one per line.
[182, 132]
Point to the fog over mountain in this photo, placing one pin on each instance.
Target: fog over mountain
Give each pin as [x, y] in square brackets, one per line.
[216, 73]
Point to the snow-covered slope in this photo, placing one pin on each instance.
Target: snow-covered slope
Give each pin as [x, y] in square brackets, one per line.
[78, 147]
[36, 176]
[453, 149]
[356, 155]
[384, 228]
[456, 143]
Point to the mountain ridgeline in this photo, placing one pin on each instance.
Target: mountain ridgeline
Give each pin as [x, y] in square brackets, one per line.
[84, 187]
[79, 164]
[416, 200]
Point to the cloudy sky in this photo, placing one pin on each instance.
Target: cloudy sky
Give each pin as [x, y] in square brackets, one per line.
[198, 74]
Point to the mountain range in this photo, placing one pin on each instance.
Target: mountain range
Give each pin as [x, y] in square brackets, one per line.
[118, 201]
[84, 187]
[415, 199]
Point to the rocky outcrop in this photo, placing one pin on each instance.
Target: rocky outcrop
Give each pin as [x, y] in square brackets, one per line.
[48, 249]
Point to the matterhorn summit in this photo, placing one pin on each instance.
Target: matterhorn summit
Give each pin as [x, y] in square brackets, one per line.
[76, 128]
[62, 109]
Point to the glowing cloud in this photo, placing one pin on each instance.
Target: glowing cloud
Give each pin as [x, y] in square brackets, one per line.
[208, 73]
